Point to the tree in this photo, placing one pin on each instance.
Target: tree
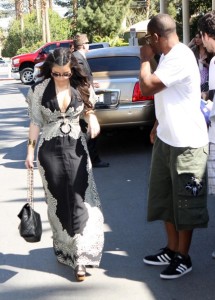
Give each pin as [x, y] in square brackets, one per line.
[102, 17]
[32, 34]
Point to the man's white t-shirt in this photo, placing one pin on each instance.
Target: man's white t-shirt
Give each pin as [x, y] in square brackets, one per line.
[212, 87]
[177, 107]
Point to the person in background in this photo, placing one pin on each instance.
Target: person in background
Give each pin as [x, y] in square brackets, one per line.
[81, 47]
[178, 182]
[203, 58]
[207, 27]
[74, 210]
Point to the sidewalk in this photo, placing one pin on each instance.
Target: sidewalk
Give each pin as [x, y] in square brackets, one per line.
[30, 271]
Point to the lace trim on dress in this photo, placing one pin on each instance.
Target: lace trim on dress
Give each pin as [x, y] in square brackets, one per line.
[82, 248]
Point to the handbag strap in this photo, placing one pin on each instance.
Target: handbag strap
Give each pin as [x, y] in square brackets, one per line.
[30, 189]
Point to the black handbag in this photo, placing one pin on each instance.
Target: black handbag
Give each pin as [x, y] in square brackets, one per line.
[30, 227]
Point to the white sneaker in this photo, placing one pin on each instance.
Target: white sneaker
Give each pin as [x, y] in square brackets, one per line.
[213, 254]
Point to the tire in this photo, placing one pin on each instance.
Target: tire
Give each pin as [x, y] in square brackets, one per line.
[26, 75]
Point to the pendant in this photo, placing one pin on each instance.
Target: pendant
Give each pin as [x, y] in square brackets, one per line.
[65, 127]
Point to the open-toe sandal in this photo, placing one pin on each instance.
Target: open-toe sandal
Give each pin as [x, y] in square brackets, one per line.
[80, 272]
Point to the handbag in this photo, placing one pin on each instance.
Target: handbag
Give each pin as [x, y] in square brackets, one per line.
[30, 227]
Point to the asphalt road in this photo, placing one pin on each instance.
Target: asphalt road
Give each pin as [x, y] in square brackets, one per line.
[30, 271]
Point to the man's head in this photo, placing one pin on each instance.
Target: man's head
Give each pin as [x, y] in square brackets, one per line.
[206, 25]
[81, 42]
[161, 32]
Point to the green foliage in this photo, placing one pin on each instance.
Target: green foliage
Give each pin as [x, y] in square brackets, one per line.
[13, 42]
[59, 27]
[32, 35]
[102, 17]
[113, 40]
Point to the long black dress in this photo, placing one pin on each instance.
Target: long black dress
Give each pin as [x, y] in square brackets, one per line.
[74, 209]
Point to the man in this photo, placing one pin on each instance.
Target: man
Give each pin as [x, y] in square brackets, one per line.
[207, 27]
[177, 184]
[81, 47]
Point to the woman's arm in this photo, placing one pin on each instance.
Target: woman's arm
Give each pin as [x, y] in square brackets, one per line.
[34, 131]
[93, 124]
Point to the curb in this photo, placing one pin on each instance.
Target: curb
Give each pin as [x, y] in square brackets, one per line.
[1, 79]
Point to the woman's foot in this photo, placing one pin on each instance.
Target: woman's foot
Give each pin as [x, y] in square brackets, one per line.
[80, 272]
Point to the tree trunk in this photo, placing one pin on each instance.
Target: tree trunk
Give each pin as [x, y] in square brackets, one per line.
[38, 12]
[45, 21]
[19, 16]
[31, 6]
[48, 36]
[75, 13]
[43, 7]
[148, 3]
[51, 4]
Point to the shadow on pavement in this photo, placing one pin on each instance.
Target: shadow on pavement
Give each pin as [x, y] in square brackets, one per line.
[42, 260]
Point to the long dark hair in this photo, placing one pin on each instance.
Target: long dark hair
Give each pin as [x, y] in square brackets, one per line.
[62, 56]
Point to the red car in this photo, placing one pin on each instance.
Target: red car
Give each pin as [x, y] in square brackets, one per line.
[23, 64]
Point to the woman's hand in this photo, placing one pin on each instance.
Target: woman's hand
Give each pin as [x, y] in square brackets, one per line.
[29, 162]
[93, 125]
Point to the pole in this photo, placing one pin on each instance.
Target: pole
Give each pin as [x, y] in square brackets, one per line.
[163, 6]
[185, 18]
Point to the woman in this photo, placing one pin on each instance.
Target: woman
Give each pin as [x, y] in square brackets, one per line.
[74, 212]
[203, 59]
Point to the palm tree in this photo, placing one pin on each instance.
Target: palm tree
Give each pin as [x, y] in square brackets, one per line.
[19, 6]
[45, 21]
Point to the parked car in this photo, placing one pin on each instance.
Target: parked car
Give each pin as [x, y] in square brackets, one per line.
[98, 45]
[37, 66]
[23, 65]
[2, 62]
[120, 102]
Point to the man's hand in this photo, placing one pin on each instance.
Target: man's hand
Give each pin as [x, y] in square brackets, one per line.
[153, 133]
[146, 53]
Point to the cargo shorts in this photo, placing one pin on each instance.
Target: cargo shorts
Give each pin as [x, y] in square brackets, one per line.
[178, 186]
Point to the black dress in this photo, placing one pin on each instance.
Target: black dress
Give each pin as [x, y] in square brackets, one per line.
[74, 209]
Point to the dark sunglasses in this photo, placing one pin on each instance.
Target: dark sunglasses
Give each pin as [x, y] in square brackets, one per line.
[65, 75]
[147, 38]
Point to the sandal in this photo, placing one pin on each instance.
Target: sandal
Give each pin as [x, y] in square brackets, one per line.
[80, 272]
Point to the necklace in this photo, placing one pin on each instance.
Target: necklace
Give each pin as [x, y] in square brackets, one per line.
[64, 98]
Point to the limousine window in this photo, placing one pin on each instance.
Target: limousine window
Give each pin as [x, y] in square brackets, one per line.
[116, 63]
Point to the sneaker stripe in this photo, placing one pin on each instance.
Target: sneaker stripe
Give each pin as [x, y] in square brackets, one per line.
[178, 267]
[181, 268]
[164, 258]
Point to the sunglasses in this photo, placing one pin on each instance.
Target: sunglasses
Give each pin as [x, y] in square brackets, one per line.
[147, 38]
[65, 75]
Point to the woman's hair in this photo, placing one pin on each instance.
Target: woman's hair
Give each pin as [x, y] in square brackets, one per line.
[196, 49]
[61, 57]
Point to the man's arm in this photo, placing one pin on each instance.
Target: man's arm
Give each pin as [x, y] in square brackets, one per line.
[149, 83]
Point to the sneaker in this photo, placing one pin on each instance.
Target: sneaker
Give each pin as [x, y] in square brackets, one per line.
[162, 258]
[179, 266]
[213, 254]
